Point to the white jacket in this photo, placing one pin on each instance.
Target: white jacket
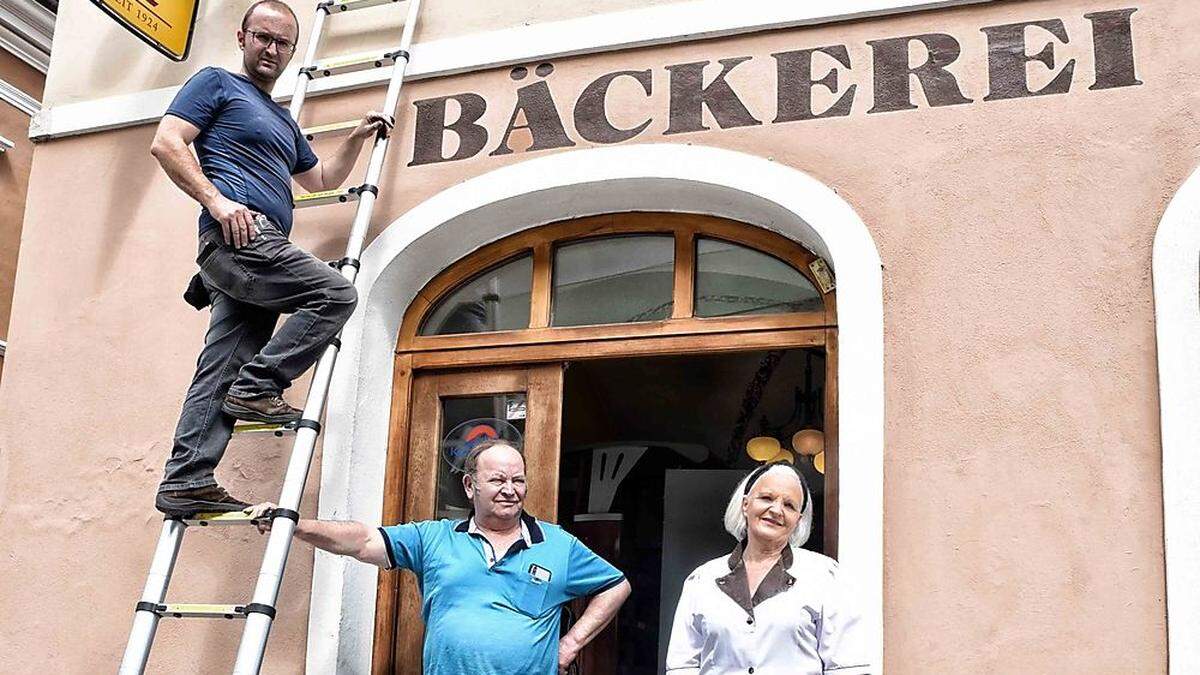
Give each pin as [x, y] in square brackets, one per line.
[806, 625]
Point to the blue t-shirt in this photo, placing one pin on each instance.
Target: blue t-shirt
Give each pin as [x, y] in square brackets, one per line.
[248, 145]
[500, 619]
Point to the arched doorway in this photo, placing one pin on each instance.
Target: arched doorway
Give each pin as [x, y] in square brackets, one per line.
[462, 218]
[638, 354]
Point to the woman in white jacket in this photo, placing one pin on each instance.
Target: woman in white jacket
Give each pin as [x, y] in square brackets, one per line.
[770, 607]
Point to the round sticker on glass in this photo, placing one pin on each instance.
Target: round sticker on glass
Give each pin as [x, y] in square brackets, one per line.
[463, 438]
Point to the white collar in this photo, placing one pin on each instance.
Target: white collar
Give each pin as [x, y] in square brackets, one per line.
[473, 528]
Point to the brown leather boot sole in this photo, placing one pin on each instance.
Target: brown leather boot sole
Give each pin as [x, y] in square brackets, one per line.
[185, 503]
[259, 410]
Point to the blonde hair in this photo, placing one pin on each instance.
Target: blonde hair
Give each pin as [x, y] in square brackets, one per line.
[735, 520]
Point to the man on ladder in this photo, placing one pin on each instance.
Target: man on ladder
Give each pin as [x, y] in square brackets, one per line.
[249, 148]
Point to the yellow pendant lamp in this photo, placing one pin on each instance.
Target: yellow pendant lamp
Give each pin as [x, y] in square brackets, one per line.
[763, 448]
[784, 456]
[808, 442]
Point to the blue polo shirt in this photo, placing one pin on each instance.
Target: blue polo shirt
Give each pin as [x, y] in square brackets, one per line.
[494, 619]
[248, 146]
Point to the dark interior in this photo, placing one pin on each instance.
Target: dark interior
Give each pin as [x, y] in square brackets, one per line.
[693, 415]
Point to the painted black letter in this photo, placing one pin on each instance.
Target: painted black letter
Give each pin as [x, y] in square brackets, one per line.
[1113, 40]
[1007, 59]
[541, 119]
[795, 85]
[431, 128]
[689, 96]
[591, 118]
[892, 72]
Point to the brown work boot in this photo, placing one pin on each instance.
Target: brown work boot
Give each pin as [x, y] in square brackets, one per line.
[269, 409]
[189, 502]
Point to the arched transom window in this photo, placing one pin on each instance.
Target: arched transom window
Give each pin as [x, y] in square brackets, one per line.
[628, 274]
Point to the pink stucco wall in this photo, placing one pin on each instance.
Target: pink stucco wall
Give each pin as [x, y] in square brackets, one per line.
[1023, 525]
[14, 175]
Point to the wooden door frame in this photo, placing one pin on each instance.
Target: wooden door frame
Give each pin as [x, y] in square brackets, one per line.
[395, 591]
[682, 334]
[397, 594]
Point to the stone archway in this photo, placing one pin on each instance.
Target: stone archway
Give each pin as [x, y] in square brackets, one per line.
[652, 177]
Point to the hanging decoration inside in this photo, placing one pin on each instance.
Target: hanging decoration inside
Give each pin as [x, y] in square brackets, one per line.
[806, 443]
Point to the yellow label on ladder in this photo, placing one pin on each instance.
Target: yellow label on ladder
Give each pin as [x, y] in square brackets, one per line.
[204, 611]
[328, 129]
[326, 197]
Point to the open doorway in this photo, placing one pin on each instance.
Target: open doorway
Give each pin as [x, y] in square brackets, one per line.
[652, 448]
[638, 413]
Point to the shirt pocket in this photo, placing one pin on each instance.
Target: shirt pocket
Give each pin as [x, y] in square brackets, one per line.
[531, 596]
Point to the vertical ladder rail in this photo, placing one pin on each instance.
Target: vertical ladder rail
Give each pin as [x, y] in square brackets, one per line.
[266, 591]
[362, 217]
[310, 55]
[145, 619]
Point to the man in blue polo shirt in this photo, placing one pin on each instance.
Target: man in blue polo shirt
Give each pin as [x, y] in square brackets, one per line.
[248, 150]
[492, 586]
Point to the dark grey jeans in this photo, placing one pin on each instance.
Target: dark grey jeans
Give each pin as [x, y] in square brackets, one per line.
[250, 287]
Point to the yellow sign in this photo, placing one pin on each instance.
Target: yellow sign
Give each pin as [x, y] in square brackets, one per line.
[165, 25]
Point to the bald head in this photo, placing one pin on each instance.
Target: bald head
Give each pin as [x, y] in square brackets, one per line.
[471, 464]
[273, 6]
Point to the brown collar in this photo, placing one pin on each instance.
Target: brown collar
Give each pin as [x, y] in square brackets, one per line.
[736, 584]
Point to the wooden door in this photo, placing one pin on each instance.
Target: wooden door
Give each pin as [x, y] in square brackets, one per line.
[527, 397]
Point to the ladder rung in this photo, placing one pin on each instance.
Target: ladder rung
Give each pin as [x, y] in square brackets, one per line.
[349, 64]
[326, 197]
[229, 518]
[334, 6]
[329, 129]
[263, 428]
[201, 611]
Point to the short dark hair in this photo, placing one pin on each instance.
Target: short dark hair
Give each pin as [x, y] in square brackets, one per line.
[277, 4]
[471, 463]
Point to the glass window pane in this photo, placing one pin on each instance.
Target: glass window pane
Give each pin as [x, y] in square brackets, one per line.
[498, 299]
[614, 280]
[466, 422]
[733, 280]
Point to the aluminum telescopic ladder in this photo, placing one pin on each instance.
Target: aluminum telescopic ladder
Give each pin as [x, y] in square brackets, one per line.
[260, 611]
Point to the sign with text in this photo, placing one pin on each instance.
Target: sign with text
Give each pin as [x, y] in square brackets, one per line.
[801, 85]
[165, 25]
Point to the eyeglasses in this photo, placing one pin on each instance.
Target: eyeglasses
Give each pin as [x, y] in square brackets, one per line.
[265, 40]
